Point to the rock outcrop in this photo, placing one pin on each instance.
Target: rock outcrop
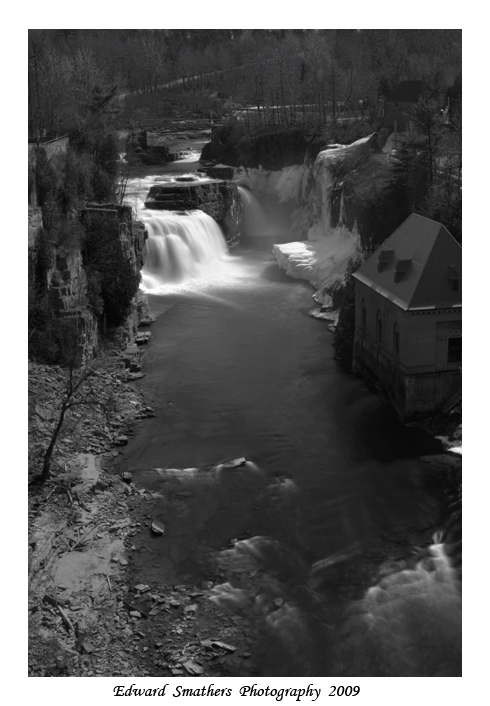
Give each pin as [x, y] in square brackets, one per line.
[273, 148]
[67, 279]
[332, 243]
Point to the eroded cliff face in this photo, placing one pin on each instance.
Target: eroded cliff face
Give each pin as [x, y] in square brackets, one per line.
[67, 279]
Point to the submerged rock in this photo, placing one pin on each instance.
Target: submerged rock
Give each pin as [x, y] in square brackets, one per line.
[235, 463]
[134, 376]
[157, 527]
[325, 314]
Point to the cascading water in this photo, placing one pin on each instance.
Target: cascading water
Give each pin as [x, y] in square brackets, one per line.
[324, 257]
[180, 247]
[254, 220]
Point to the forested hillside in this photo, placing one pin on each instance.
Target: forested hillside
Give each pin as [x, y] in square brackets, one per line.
[288, 75]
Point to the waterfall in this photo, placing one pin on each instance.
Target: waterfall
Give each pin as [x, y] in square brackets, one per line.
[180, 247]
[323, 259]
[254, 221]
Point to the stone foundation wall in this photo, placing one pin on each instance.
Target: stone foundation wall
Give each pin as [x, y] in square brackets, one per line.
[413, 395]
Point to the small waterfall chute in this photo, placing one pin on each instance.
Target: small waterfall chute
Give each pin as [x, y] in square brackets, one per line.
[254, 221]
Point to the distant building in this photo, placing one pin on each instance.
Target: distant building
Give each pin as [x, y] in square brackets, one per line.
[398, 103]
[408, 318]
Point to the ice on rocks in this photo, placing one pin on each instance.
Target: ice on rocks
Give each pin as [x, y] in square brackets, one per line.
[322, 262]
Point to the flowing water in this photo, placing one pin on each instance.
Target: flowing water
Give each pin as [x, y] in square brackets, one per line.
[333, 491]
[181, 248]
[254, 221]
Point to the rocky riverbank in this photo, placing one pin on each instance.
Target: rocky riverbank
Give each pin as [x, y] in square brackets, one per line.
[88, 614]
[78, 519]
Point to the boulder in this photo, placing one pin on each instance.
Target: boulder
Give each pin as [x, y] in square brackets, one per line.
[142, 338]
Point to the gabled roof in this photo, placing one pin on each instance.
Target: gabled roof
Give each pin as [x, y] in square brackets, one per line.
[406, 92]
[417, 267]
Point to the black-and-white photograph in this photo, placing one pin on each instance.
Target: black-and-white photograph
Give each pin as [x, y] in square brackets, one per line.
[245, 357]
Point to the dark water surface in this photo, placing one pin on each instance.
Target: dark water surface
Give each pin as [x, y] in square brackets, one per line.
[241, 369]
[245, 371]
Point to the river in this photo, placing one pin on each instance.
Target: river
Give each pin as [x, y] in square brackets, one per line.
[237, 368]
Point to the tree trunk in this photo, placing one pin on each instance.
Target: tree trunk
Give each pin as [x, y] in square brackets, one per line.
[49, 451]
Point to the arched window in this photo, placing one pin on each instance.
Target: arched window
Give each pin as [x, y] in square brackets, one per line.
[363, 315]
[379, 326]
[396, 339]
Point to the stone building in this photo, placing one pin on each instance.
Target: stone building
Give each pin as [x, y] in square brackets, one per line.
[408, 318]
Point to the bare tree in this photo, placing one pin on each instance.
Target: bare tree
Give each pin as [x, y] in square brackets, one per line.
[429, 123]
[79, 389]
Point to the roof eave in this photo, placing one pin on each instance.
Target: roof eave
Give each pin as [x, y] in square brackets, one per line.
[436, 306]
[381, 290]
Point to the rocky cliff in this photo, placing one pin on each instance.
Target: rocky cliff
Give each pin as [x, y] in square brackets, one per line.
[78, 280]
[273, 148]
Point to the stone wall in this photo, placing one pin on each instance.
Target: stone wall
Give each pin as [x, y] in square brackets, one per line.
[51, 147]
[414, 395]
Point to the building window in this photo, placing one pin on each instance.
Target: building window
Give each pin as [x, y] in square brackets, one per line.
[379, 326]
[454, 350]
[363, 316]
[454, 278]
[396, 339]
